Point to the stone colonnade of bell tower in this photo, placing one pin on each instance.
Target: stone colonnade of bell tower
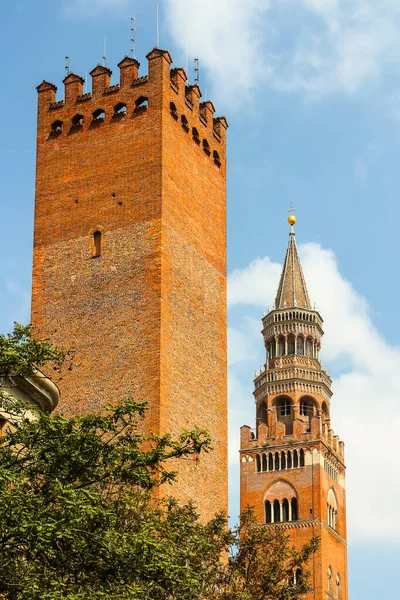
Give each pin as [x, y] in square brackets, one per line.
[292, 463]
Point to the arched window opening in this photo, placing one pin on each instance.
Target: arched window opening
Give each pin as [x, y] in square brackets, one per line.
[258, 463]
[284, 407]
[332, 508]
[216, 158]
[302, 461]
[77, 121]
[306, 407]
[277, 461]
[325, 410]
[281, 346]
[96, 244]
[98, 115]
[294, 509]
[309, 347]
[56, 127]
[330, 580]
[291, 344]
[285, 510]
[206, 147]
[277, 511]
[300, 346]
[119, 109]
[338, 587]
[283, 460]
[264, 463]
[270, 462]
[173, 110]
[289, 460]
[184, 123]
[295, 459]
[297, 576]
[141, 103]
[262, 412]
[268, 512]
[196, 136]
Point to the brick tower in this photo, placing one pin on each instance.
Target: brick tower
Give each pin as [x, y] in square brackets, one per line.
[130, 253]
[292, 464]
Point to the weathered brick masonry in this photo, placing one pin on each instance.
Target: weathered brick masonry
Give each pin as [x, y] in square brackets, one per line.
[135, 172]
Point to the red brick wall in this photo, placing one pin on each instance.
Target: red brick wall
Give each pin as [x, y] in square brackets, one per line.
[312, 484]
[147, 318]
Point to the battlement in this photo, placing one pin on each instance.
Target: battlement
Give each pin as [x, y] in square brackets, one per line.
[164, 89]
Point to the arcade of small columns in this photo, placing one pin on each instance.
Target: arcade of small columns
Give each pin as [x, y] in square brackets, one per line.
[281, 511]
[290, 343]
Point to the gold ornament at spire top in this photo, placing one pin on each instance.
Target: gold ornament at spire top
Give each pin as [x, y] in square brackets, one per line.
[292, 219]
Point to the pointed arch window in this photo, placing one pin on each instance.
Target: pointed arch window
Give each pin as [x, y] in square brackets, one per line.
[329, 580]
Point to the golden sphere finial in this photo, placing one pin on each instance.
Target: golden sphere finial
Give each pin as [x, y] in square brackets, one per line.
[291, 219]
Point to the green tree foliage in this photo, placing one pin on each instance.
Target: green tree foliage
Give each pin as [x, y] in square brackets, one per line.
[264, 565]
[78, 517]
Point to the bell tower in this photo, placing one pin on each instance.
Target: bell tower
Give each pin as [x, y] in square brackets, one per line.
[292, 464]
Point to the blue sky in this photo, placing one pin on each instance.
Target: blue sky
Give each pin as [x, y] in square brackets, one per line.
[311, 90]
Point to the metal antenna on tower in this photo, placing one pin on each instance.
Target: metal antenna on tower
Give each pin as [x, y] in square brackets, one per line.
[196, 71]
[105, 52]
[67, 64]
[133, 38]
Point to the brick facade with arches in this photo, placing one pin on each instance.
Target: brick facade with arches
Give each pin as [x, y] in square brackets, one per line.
[292, 464]
[130, 253]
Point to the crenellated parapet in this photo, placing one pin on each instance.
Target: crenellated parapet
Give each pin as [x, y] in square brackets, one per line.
[163, 89]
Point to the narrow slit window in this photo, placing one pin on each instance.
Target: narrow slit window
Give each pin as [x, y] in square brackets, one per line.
[96, 244]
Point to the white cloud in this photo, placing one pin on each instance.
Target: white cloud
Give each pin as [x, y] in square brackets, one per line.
[228, 37]
[317, 47]
[365, 407]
